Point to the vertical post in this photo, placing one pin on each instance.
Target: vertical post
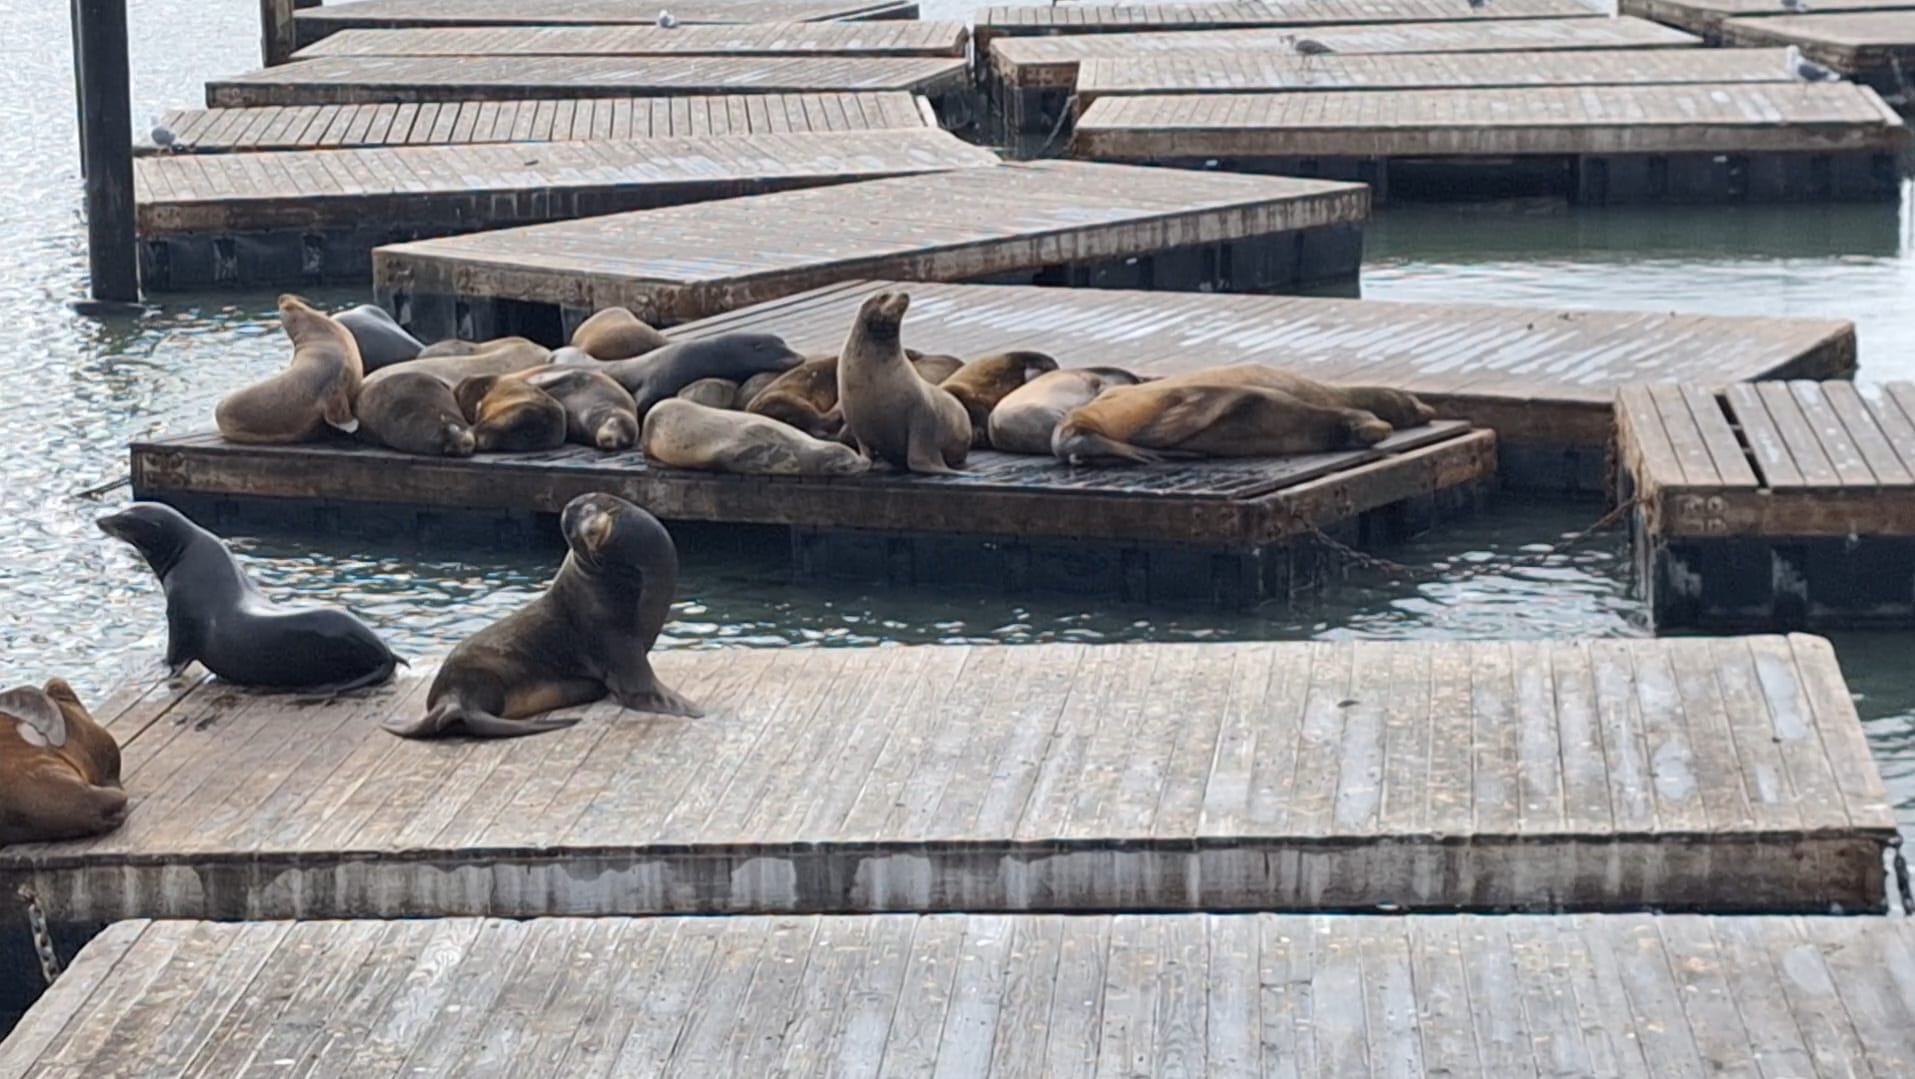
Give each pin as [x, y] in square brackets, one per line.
[276, 33]
[107, 131]
[79, 84]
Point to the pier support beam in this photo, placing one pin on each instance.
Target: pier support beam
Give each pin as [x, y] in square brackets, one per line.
[107, 150]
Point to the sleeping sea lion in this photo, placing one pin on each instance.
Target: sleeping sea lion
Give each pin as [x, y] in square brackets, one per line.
[749, 389]
[806, 397]
[933, 368]
[684, 434]
[889, 411]
[585, 638]
[382, 342]
[712, 392]
[598, 411]
[1024, 421]
[980, 384]
[216, 615]
[414, 412]
[510, 415]
[454, 346]
[663, 372]
[1394, 407]
[616, 334]
[505, 357]
[315, 392]
[59, 771]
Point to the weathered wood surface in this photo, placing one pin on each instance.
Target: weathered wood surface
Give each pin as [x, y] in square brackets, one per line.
[891, 37]
[448, 123]
[1726, 775]
[1022, 996]
[341, 80]
[1040, 62]
[316, 22]
[1854, 43]
[452, 188]
[672, 265]
[1086, 18]
[1735, 119]
[1706, 16]
[1264, 72]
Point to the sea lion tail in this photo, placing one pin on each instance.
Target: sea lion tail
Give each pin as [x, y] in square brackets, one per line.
[450, 714]
[1080, 447]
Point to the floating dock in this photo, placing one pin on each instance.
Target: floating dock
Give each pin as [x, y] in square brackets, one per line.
[1028, 81]
[1046, 21]
[1757, 142]
[304, 217]
[894, 37]
[1709, 775]
[316, 22]
[1779, 504]
[1875, 47]
[606, 119]
[1061, 222]
[1705, 17]
[1006, 996]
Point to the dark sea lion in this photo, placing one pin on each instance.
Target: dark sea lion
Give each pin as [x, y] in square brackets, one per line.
[454, 346]
[616, 334]
[981, 383]
[314, 392]
[382, 342]
[806, 397]
[510, 415]
[414, 412]
[598, 411]
[749, 389]
[501, 358]
[59, 770]
[587, 637]
[720, 393]
[215, 615]
[662, 373]
[684, 434]
[890, 411]
[1229, 418]
[1024, 421]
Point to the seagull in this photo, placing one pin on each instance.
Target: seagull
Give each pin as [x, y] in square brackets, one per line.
[164, 138]
[1307, 46]
[1796, 6]
[1808, 70]
[1481, 4]
[665, 20]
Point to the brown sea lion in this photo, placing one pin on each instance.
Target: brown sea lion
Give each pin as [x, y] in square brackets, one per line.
[414, 412]
[455, 346]
[598, 411]
[931, 367]
[1024, 421]
[806, 397]
[314, 392]
[662, 372]
[712, 392]
[59, 770]
[749, 389]
[616, 334]
[504, 357]
[981, 383]
[510, 415]
[891, 412]
[684, 434]
[1394, 407]
[587, 637]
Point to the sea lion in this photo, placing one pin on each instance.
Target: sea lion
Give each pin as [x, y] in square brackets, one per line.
[216, 615]
[1233, 417]
[684, 434]
[663, 372]
[806, 397]
[1394, 407]
[598, 411]
[313, 393]
[59, 770]
[749, 389]
[891, 412]
[585, 638]
[414, 412]
[573, 356]
[719, 393]
[510, 415]
[1024, 421]
[382, 342]
[616, 334]
[455, 346]
[932, 367]
[980, 384]
[504, 357]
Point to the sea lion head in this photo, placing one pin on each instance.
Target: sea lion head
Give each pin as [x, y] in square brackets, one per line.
[38, 718]
[158, 531]
[617, 431]
[612, 537]
[882, 314]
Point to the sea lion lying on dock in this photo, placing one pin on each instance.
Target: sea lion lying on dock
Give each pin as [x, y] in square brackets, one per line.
[890, 412]
[314, 392]
[1024, 421]
[984, 382]
[382, 342]
[684, 434]
[458, 346]
[59, 770]
[616, 334]
[510, 415]
[712, 392]
[598, 411]
[662, 372]
[806, 397]
[503, 357]
[588, 636]
[414, 412]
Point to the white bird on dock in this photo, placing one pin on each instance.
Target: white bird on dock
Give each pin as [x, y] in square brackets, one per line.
[665, 20]
[1808, 70]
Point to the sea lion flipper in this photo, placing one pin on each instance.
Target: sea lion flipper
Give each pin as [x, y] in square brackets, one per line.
[53, 802]
[922, 453]
[450, 714]
[661, 700]
[41, 721]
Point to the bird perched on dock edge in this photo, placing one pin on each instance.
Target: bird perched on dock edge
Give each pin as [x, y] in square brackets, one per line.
[1795, 6]
[164, 138]
[665, 20]
[1808, 70]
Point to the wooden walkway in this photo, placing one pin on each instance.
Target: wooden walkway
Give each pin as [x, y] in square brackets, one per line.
[360, 80]
[453, 123]
[1103, 225]
[316, 22]
[893, 37]
[1877, 46]
[1005, 996]
[1716, 775]
[1735, 142]
[1103, 18]
[308, 216]
[1705, 16]
[1781, 503]
[1543, 380]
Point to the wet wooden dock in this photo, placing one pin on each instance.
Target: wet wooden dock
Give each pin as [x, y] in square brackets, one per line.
[892, 37]
[1063, 222]
[360, 80]
[1104, 18]
[1757, 142]
[607, 119]
[316, 22]
[1776, 504]
[1007, 996]
[1876, 47]
[1705, 17]
[303, 217]
[1713, 775]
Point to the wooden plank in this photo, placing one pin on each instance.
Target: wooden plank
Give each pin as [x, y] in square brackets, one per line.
[996, 22]
[1707, 16]
[1878, 44]
[317, 21]
[890, 38]
[1770, 453]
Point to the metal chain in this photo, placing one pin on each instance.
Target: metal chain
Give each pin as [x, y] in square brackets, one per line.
[42, 938]
[1398, 569]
